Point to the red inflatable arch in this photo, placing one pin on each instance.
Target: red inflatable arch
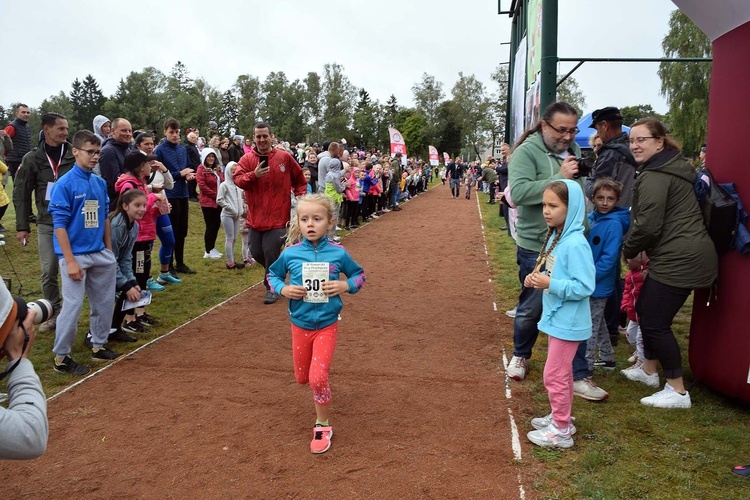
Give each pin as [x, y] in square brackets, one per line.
[720, 332]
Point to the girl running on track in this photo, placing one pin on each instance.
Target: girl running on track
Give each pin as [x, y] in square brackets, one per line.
[313, 264]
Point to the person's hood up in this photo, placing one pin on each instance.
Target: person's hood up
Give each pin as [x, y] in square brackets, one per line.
[204, 155]
[100, 120]
[228, 177]
[576, 209]
[619, 214]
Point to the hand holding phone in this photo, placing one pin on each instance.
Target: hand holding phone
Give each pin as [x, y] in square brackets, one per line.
[262, 168]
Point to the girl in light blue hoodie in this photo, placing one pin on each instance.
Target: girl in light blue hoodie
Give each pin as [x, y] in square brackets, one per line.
[565, 271]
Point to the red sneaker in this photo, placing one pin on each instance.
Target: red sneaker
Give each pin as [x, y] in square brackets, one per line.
[321, 439]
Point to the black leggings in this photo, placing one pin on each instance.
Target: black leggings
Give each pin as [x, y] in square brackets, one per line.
[352, 214]
[657, 306]
[265, 247]
[212, 217]
[179, 218]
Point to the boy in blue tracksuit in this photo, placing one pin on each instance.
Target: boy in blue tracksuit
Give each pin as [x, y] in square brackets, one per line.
[78, 205]
[608, 225]
[314, 290]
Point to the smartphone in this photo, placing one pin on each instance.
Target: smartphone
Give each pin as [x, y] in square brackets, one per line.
[263, 158]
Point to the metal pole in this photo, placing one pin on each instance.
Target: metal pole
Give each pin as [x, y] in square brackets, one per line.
[549, 54]
[511, 67]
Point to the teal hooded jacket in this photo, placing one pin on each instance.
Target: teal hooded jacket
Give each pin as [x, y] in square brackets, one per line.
[566, 313]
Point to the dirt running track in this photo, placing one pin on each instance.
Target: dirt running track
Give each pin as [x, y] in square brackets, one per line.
[213, 411]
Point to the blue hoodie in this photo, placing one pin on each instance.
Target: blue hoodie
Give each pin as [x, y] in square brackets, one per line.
[605, 238]
[566, 313]
[79, 204]
[308, 315]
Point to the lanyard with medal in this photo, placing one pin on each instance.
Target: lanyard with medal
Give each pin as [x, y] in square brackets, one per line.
[55, 169]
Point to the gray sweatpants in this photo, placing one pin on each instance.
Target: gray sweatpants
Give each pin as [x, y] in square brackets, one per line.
[599, 335]
[98, 284]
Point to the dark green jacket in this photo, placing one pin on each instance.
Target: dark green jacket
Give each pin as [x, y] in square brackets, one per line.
[33, 175]
[668, 224]
[489, 174]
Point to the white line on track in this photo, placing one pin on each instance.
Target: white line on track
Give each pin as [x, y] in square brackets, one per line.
[157, 339]
[514, 438]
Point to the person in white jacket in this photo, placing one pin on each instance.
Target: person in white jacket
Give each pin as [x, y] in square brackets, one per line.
[231, 199]
[23, 426]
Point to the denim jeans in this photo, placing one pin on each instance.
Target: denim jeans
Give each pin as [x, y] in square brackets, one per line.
[529, 309]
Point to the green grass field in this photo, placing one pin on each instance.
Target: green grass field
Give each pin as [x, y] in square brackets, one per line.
[624, 449]
[212, 284]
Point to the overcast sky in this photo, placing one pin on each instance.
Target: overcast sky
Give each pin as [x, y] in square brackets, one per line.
[384, 45]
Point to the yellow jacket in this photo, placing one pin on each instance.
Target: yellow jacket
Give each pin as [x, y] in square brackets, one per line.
[4, 200]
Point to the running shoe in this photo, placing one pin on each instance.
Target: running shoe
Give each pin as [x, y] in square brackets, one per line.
[321, 440]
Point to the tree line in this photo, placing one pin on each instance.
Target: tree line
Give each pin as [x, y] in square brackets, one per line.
[327, 106]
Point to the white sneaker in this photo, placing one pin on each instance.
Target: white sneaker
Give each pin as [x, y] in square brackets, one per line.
[213, 254]
[511, 313]
[551, 437]
[542, 422]
[633, 358]
[587, 389]
[668, 398]
[635, 366]
[638, 375]
[517, 368]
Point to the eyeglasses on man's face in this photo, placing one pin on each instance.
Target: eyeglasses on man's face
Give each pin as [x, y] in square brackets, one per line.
[563, 130]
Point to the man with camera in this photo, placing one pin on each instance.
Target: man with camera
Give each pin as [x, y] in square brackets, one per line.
[545, 153]
[23, 426]
[614, 158]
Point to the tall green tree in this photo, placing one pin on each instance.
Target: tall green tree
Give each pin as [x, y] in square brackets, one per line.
[427, 97]
[414, 131]
[247, 90]
[338, 99]
[139, 98]
[58, 103]
[90, 101]
[473, 106]
[229, 118]
[570, 92]
[282, 106]
[449, 128]
[498, 104]
[686, 85]
[314, 105]
[365, 125]
[632, 113]
[391, 109]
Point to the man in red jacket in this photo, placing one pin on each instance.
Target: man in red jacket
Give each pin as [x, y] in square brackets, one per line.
[268, 185]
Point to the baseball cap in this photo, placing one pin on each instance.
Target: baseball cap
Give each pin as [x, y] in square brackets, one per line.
[609, 113]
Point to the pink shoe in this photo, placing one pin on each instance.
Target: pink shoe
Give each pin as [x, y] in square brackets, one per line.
[321, 439]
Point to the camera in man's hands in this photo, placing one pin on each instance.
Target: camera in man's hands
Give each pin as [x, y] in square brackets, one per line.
[585, 166]
[42, 308]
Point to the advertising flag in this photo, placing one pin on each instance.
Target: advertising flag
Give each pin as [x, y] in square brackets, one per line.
[397, 142]
[434, 158]
[446, 158]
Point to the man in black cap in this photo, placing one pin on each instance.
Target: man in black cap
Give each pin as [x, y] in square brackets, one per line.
[614, 158]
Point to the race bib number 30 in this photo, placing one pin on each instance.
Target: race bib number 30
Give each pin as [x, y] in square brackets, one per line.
[314, 274]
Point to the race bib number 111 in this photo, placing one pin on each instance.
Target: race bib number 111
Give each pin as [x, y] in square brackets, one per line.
[314, 274]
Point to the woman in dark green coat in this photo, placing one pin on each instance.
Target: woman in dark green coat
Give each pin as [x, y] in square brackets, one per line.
[668, 226]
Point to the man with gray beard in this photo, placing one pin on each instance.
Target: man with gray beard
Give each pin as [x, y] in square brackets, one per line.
[544, 153]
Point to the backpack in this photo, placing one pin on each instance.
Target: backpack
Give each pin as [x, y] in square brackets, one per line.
[719, 210]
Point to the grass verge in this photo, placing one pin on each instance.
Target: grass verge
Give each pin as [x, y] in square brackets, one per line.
[624, 449]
